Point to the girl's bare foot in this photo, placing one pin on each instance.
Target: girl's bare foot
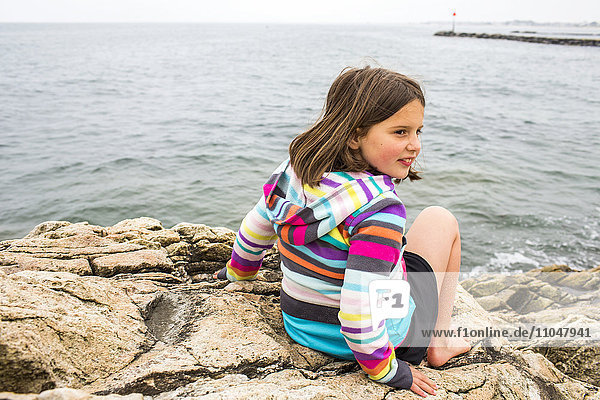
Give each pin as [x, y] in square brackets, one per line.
[440, 353]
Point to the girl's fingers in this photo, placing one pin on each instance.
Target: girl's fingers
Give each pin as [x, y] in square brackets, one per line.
[416, 389]
[428, 382]
[426, 387]
[423, 384]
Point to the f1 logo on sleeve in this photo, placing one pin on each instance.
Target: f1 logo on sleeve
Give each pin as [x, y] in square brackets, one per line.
[388, 299]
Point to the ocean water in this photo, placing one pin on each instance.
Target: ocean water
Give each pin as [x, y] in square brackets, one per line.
[184, 122]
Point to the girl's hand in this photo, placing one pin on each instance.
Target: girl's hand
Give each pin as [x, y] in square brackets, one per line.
[221, 274]
[421, 383]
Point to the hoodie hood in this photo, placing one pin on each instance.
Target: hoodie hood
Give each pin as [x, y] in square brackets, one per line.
[301, 215]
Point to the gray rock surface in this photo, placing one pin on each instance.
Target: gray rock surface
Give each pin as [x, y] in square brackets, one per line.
[554, 296]
[61, 329]
[156, 325]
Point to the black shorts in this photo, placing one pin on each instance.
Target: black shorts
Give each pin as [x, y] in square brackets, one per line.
[423, 290]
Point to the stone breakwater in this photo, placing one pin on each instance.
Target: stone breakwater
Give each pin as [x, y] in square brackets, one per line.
[131, 311]
[531, 39]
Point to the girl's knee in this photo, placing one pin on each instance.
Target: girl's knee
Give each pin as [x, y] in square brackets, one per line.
[441, 216]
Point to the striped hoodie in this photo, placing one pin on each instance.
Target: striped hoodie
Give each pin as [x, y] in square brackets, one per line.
[333, 240]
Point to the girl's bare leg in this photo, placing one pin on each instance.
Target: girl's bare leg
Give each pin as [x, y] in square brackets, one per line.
[434, 235]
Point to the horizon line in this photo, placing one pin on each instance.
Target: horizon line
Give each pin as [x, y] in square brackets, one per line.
[520, 21]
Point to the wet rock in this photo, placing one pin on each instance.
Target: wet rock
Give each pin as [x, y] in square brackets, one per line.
[551, 298]
[521, 38]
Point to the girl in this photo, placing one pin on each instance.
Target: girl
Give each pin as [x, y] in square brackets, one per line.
[333, 208]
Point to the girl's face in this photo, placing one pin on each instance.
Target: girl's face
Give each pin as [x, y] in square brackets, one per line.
[392, 145]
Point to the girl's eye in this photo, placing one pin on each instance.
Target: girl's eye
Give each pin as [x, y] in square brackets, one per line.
[403, 132]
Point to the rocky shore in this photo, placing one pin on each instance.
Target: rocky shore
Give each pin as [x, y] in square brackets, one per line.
[131, 311]
[520, 38]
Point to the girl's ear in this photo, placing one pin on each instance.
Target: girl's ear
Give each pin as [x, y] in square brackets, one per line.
[354, 142]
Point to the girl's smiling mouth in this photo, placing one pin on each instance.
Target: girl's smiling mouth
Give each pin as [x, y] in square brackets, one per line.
[406, 161]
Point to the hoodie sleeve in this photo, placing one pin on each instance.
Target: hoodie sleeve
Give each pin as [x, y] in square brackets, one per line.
[376, 245]
[255, 236]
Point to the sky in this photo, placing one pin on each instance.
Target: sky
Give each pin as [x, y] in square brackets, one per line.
[298, 11]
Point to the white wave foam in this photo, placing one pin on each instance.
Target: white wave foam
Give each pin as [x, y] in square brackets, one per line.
[508, 262]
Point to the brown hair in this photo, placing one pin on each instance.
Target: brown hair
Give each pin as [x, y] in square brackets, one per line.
[358, 99]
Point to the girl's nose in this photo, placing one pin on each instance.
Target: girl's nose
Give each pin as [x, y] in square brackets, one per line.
[414, 143]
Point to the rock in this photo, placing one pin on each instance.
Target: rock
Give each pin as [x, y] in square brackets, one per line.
[555, 268]
[149, 331]
[11, 263]
[132, 262]
[207, 251]
[164, 237]
[206, 267]
[582, 362]
[257, 287]
[193, 233]
[555, 297]
[143, 290]
[531, 39]
[285, 384]
[82, 245]
[131, 246]
[207, 332]
[67, 394]
[224, 235]
[60, 329]
[581, 280]
[47, 226]
[487, 288]
[64, 229]
[520, 298]
[536, 304]
[180, 251]
[555, 294]
[141, 224]
[492, 303]
[189, 231]
[142, 229]
[531, 292]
